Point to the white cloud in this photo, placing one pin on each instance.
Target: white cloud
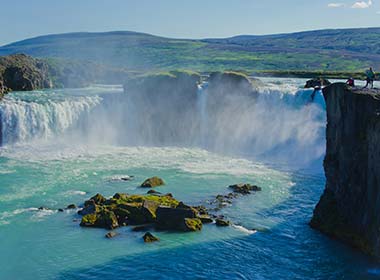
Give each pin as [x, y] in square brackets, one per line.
[362, 5]
[336, 5]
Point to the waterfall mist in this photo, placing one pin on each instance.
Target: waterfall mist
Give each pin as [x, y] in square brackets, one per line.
[273, 125]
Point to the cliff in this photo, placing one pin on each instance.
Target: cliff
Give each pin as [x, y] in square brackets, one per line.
[21, 72]
[350, 205]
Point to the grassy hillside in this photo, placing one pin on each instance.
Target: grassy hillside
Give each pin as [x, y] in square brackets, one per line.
[326, 50]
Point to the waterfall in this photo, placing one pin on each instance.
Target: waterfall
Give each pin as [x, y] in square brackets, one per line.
[202, 96]
[278, 124]
[26, 119]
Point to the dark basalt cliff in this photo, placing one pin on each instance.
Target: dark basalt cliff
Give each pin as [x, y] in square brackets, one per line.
[349, 209]
[21, 72]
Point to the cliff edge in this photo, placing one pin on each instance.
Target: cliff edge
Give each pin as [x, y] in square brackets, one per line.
[349, 208]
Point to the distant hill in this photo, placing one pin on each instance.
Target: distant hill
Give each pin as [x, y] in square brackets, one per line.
[322, 50]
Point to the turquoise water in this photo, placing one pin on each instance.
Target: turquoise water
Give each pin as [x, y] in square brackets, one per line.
[269, 239]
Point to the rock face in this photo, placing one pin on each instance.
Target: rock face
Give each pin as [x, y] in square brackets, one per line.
[21, 72]
[350, 205]
[318, 82]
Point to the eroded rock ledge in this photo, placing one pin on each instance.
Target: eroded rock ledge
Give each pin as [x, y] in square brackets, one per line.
[349, 209]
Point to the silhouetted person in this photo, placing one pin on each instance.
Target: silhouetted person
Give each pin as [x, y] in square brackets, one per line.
[370, 77]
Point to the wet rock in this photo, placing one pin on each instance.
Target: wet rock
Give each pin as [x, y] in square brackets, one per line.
[111, 234]
[90, 208]
[103, 219]
[205, 219]
[191, 224]
[60, 210]
[222, 223]
[149, 238]
[42, 208]
[98, 199]
[169, 218]
[152, 182]
[153, 192]
[244, 188]
[71, 206]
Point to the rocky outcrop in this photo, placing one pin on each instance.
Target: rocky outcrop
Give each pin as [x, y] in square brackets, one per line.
[317, 83]
[21, 72]
[350, 205]
[162, 211]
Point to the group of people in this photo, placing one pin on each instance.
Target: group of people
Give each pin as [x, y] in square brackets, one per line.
[370, 78]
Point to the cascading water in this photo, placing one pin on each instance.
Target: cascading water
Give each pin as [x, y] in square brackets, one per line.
[277, 125]
[202, 112]
[41, 116]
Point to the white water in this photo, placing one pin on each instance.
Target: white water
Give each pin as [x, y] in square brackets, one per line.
[22, 121]
[202, 95]
[277, 126]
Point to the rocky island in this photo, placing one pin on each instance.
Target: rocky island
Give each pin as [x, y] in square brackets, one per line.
[350, 205]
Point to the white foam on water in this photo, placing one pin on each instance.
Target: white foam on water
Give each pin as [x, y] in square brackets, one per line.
[74, 192]
[244, 230]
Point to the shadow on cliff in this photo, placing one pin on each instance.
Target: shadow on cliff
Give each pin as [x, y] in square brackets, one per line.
[290, 250]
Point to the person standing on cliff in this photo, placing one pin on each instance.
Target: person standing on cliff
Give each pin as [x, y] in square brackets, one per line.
[370, 77]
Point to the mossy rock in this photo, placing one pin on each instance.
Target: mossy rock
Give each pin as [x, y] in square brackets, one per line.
[152, 182]
[149, 238]
[169, 218]
[90, 209]
[103, 219]
[191, 224]
[97, 199]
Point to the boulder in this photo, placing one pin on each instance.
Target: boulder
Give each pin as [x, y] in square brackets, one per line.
[169, 218]
[149, 238]
[205, 219]
[90, 208]
[98, 199]
[71, 206]
[222, 223]
[103, 219]
[152, 182]
[191, 224]
[244, 188]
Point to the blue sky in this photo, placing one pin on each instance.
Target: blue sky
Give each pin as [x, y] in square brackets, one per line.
[22, 19]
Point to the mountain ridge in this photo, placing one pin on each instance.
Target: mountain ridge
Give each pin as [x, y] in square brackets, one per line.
[327, 50]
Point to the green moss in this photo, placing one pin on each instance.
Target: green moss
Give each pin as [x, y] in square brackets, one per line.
[88, 220]
[192, 224]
